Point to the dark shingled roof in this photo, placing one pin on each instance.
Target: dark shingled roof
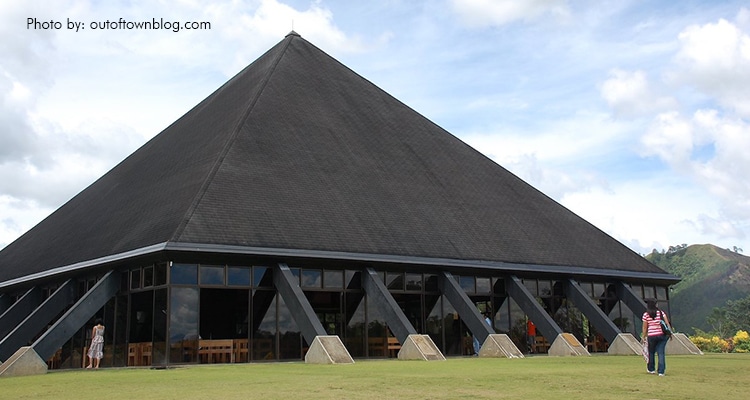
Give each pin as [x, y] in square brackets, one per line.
[299, 152]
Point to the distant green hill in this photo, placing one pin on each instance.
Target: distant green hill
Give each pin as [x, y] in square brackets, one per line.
[710, 276]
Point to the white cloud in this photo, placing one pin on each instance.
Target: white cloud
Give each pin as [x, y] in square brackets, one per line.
[483, 13]
[629, 94]
[710, 150]
[715, 59]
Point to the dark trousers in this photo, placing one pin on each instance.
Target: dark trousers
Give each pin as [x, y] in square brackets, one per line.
[657, 346]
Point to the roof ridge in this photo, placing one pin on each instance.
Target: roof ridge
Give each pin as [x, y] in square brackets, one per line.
[220, 160]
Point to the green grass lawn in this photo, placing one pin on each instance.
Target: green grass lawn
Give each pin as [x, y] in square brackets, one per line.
[711, 376]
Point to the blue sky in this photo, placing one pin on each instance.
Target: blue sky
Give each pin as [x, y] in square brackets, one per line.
[633, 114]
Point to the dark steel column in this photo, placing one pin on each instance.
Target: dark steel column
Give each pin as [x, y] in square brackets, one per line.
[298, 305]
[464, 306]
[543, 321]
[73, 319]
[379, 297]
[598, 318]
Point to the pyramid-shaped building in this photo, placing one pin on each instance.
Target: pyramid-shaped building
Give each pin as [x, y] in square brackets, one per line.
[298, 200]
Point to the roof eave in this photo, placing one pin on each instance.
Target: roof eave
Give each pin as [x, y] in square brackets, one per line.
[506, 267]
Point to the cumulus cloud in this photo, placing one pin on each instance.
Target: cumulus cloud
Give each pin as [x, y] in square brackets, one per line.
[484, 13]
[711, 150]
[715, 59]
[629, 94]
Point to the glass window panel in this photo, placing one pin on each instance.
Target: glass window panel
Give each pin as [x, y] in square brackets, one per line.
[333, 279]
[430, 283]
[498, 285]
[135, 279]
[467, 284]
[185, 274]
[545, 288]
[649, 292]
[264, 338]
[124, 281]
[312, 278]
[483, 285]
[289, 334]
[414, 282]
[183, 324]
[212, 274]
[159, 349]
[531, 286]
[354, 338]
[238, 276]
[262, 277]
[661, 293]
[160, 274]
[148, 276]
[599, 291]
[394, 280]
[353, 279]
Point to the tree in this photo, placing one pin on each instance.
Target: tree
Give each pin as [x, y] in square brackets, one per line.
[733, 317]
[719, 322]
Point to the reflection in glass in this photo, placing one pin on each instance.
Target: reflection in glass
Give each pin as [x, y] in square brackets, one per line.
[649, 292]
[264, 337]
[333, 279]
[238, 276]
[262, 277]
[483, 285]
[394, 280]
[212, 274]
[289, 334]
[159, 354]
[355, 328]
[414, 282]
[467, 284]
[312, 278]
[434, 322]
[183, 324]
[185, 274]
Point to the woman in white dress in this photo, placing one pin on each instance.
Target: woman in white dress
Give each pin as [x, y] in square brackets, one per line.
[97, 344]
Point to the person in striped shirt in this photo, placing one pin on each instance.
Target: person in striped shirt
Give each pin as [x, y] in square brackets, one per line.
[657, 340]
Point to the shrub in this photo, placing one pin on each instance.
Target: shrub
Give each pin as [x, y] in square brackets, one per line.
[710, 344]
[741, 342]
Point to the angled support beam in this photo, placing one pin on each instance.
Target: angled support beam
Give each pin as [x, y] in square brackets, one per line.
[378, 296]
[5, 303]
[298, 305]
[37, 320]
[73, 319]
[543, 321]
[19, 311]
[634, 302]
[591, 310]
[465, 307]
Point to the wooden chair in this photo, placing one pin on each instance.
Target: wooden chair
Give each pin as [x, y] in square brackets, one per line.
[241, 350]
[393, 346]
[134, 356]
[54, 361]
[146, 350]
[216, 351]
